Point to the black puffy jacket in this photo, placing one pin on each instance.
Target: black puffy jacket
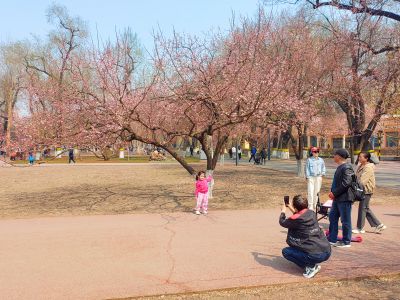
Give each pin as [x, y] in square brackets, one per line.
[341, 183]
[304, 232]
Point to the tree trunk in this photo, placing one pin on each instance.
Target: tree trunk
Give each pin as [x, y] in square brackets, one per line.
[298, 148]
[212, 156]
[181, 160]
[284, 144]
[9, 124]
[210, 184]
[168, 148]
[300, 168]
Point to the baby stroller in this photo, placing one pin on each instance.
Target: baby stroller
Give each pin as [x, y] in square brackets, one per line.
[257, 159]
[322, 209]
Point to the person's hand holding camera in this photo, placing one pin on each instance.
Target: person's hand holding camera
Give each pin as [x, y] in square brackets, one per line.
[287, 204]
[283, 209]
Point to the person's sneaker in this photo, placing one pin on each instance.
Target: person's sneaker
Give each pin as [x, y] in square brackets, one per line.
[333, 243]
[380, 228]
[196, 212]
[358, 230]
[311, 272]
[204, 212]
[342, 244]
[306, 271]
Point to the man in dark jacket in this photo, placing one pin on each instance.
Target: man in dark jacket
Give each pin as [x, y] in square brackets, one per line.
[263, 154]
[71, 156]
[308, 244]
[342, 200]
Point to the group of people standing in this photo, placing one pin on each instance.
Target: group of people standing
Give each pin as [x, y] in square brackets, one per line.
[308, 245]
[233, 151]
[340, 190]
[259, 157]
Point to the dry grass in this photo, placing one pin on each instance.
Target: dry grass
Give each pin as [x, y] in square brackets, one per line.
[386, 287]
[61, 190]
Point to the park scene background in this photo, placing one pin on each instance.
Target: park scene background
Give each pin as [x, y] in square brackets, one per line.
[146, 95]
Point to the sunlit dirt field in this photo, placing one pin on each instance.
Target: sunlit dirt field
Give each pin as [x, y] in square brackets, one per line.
[62, 190]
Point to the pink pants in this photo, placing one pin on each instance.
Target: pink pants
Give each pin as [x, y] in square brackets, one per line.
[202, 202]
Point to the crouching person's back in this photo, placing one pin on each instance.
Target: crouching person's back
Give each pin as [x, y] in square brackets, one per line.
[308, 245]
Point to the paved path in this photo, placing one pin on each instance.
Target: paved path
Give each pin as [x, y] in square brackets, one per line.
[103, 257]
[387, 172]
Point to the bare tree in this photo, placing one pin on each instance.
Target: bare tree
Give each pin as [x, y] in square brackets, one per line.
[11, 85]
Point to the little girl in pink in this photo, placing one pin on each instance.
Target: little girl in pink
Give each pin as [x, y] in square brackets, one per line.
[202, 192]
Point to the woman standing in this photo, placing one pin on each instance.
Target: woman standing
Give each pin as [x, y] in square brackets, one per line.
[315, 169]
[366, 175]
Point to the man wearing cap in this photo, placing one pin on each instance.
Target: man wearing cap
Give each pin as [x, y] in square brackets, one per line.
[342, 200]
[315, 169]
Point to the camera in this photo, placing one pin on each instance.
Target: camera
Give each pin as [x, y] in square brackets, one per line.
[286, 200]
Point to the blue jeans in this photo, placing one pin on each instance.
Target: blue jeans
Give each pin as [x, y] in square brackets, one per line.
[342, 210]
[303, 259]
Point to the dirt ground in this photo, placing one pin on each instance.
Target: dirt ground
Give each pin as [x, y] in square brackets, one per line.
[387, 287]
[63, 190]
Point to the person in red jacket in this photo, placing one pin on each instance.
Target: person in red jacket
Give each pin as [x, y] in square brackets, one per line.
[308, 244]
[202, 192]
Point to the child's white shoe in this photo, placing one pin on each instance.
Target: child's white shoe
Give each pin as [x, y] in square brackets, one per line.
[196, 212]
[205, 212]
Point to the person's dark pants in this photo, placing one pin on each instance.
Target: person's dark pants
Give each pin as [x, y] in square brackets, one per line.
[252, 157]
[340, 210]
[365, 211]
[71, 159]
[303, 259]
[240, 155]
[263, 160]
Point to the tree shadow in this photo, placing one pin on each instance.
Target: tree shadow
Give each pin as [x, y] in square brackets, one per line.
[276, 262]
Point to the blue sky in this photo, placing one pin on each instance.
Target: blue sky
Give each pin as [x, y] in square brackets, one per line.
[21, 19]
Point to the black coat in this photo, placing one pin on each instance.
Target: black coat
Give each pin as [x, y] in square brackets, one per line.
[304, 232]
[341, 183]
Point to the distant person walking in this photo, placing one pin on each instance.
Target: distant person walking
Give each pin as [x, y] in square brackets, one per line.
[253, 153]
[239, 152]
[191, 150]
[234, 152]
[201, 193]
[263, 155]
[366, 175]
[315, 169]
[71, 156]
[31, 159]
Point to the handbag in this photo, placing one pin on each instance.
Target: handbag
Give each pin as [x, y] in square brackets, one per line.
[357, 189]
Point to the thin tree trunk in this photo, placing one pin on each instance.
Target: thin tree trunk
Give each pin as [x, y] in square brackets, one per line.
[167, 148]
[181, 160]
[9, 124]
[298, 149]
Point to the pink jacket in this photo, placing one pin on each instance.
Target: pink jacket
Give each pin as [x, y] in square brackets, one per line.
[202, 185]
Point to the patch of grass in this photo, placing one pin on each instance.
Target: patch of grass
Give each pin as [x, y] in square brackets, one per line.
[383, 287]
